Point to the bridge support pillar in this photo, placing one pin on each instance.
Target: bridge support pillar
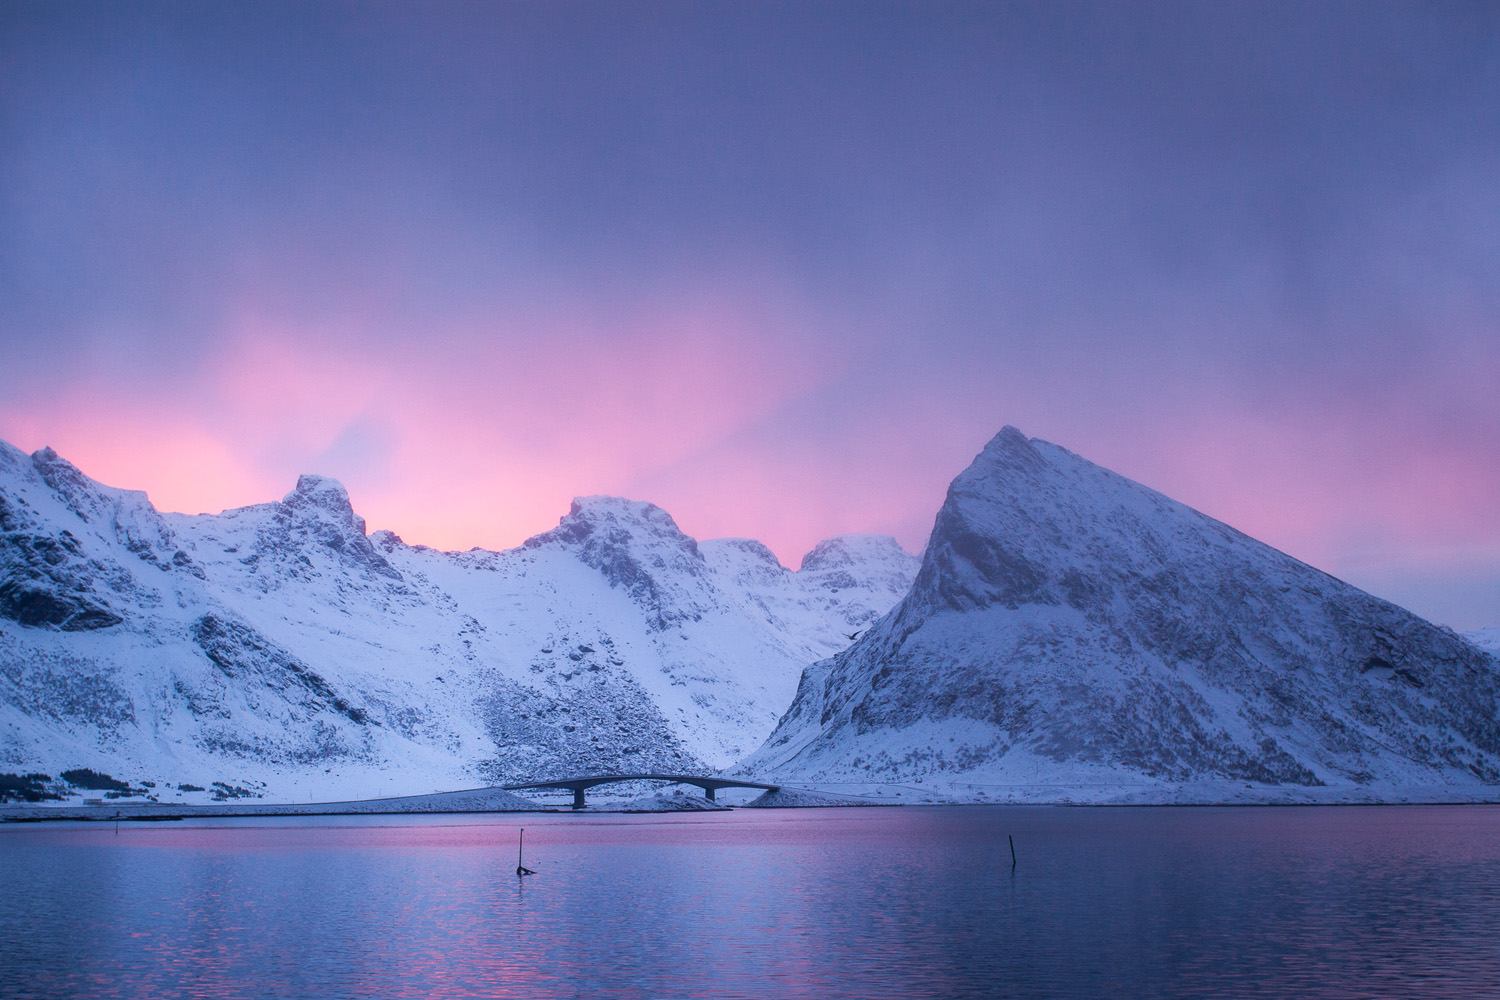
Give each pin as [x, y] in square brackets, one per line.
[578, 798]
[708, 793]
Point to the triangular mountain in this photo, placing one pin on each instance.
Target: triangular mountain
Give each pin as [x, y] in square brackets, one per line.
[1073, 635]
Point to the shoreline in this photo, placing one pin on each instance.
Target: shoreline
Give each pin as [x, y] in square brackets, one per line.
[497, 801]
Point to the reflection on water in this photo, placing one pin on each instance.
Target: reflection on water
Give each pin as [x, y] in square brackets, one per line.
[900, 902]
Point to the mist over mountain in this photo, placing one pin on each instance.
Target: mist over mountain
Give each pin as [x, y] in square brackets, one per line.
[280, 647]
[1074, 635]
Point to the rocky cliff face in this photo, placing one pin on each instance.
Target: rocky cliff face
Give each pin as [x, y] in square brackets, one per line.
[1070, 629]
[280, 646]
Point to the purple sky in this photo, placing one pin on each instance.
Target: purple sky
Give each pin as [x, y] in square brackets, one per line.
[780, 268]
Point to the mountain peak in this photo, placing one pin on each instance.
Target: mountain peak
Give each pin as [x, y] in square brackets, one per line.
[756, 552]
[309, 484]
[636, 545]
[843, 551]
[614, 519]
[322, 493]
[85, 497]
[1010, 450]
[1010, 436]
[320, 504]
[1029, 522]
[52, 465]
[1068, 622]
[603, 509]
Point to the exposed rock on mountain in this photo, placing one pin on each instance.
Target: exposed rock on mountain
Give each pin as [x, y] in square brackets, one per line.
[639, 549]
[1072, 634]
[279, 646]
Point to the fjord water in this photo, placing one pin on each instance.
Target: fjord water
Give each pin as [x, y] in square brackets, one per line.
[897, 902]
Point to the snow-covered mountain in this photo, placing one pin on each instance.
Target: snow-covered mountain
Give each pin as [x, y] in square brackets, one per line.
[1485, 638]
[279, 646]
[1074, 635]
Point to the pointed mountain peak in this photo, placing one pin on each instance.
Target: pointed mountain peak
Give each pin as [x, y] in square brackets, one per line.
[618, 510]
[616, 520]
[870, 561]
[1010, 436]
[323, 495]
[1026, 521]
[84, 496]
[636, 545]
[48, 461]
[1010, 449]
[312, 485]
[756, 552]
[843, 551]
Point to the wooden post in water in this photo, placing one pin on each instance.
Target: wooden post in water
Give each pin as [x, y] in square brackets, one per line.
[521, 870]
[1012, 851]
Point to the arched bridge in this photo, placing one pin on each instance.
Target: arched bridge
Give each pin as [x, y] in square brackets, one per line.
[580, 785]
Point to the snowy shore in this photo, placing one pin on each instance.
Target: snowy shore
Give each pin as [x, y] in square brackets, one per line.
[495, 800]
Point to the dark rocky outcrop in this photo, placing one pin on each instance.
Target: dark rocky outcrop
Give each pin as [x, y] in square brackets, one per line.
[245, 655]
[637, 547]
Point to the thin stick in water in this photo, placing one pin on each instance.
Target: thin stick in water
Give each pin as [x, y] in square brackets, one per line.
[521, 870]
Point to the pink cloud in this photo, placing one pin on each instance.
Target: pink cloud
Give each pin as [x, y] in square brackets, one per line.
[487, 431]
[482, 431]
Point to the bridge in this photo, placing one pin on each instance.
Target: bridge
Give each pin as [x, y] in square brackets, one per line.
[581, 785]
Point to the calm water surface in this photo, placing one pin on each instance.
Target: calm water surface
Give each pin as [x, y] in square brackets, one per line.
[908, 902]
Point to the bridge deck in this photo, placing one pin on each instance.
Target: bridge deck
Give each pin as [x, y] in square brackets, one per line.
[582, 783]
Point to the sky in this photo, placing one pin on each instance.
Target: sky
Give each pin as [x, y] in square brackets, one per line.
[780, 268]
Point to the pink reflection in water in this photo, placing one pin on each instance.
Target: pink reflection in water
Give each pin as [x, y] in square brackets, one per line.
[879, 903]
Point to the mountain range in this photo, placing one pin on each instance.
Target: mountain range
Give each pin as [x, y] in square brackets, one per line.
[280, 648]
[1066, 635]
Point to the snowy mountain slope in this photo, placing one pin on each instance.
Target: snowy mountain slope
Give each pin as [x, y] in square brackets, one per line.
[1485, 638]
[1070, 629]
[280, 645]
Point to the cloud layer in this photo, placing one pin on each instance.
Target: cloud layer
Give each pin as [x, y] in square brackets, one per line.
[782, 269]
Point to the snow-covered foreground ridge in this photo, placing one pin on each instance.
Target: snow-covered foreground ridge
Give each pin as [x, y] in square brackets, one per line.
[278, 648]
[1073, 635]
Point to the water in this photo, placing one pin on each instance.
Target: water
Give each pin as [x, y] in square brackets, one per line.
[910, 902]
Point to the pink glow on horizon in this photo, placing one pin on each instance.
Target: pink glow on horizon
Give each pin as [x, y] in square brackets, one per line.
[1301, 483]
[456, 477]
[480, 436]
[181, 466]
